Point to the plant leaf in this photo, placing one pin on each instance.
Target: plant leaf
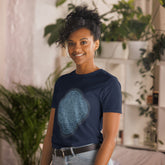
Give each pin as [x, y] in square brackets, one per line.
[60, 2]
[48, 29]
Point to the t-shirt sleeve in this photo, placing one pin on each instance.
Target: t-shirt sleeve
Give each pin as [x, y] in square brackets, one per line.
[55, 93]
[111, 98]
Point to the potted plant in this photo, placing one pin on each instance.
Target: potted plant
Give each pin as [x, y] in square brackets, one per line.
[112, 40]
[131, 25]
[137, 27]
[136, 139]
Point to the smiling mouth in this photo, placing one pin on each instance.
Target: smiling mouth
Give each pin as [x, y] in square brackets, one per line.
[78, 55]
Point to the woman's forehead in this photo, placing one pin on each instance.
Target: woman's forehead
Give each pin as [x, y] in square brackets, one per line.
[80, 34]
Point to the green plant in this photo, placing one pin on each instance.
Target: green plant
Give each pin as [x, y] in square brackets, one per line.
[60, 2]
[147, 63]
[149, 58]
[146, 66]
[162, 2]
[135, 135]
[131, 23]
[144, 91]
[52, 30]
[159, 46]
[125, 96]
[135, 25]
[23, 118]
[112, 31]
[24, 113]
[52, 78]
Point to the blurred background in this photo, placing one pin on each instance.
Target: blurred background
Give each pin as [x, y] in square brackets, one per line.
[30, 63]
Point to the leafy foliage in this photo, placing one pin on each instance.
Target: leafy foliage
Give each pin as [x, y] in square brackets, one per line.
[112, 32]
[24, 113]
[52, 78]
[148, 59]
[131, 24]
[146, 66]
[53, 31]
[134, 24]
[162, 2]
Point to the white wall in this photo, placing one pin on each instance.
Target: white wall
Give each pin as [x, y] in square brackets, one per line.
[44, 57]
[162, 20]
[24, 55]
[3, 12]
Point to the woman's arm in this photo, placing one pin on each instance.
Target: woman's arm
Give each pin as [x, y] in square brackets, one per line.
[110, 128]
[47, 147]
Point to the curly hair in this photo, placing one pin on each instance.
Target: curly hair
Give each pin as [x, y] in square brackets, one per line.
[81, 17]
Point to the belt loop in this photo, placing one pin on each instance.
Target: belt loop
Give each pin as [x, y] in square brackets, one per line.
[63, 154]
[54, 152]
[71, 149]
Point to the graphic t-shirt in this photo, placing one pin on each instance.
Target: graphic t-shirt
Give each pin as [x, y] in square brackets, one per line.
[80, 101]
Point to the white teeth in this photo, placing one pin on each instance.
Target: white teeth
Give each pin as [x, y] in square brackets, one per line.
[79, 55]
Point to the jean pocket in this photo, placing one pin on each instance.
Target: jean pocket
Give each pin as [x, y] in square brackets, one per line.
[88, 156]
[58, 160]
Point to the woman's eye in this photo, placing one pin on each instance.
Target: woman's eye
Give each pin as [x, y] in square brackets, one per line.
[70, 44]
[83, 42]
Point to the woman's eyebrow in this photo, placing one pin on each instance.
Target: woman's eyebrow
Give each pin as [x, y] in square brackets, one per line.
[80, 39]
[83, 39]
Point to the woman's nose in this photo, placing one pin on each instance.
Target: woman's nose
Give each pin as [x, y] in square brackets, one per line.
[77, 47]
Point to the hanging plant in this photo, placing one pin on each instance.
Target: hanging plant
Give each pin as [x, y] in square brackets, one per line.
[146, 65]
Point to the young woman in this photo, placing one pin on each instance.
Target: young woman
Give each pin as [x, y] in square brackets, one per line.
[85, 101]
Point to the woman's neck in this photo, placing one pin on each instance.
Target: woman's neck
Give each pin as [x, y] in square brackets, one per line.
[86, 69]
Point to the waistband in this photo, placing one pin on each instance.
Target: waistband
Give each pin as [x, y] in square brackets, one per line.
[75, 150]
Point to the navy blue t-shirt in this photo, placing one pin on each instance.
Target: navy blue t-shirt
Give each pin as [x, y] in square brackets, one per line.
[80, 101]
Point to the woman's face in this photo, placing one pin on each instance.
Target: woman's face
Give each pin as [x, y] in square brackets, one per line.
[81, 46]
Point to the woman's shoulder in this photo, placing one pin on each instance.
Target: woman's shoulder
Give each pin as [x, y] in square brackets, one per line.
[109, 76]
[64, 77]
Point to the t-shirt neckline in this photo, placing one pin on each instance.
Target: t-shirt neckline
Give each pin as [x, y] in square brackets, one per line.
[86, 74]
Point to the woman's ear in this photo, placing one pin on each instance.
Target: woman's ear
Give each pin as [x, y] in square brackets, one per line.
[97, 43]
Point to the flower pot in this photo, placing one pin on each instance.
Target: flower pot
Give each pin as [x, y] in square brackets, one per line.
[134, 48]
[136, 141]
[113, 50]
